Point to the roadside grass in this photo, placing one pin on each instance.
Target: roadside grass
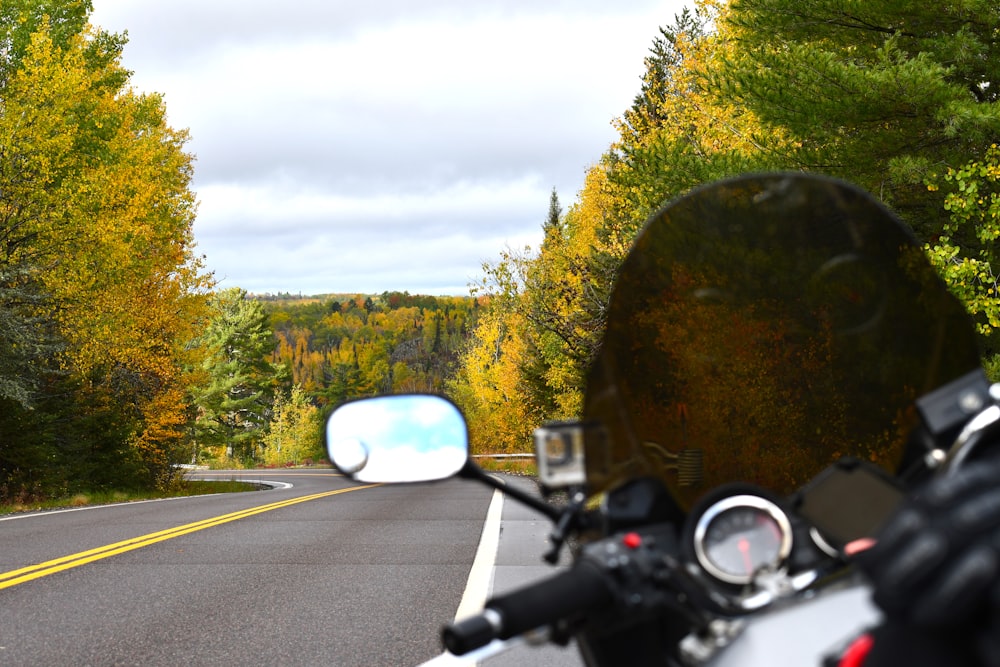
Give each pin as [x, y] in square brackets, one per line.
[525, 467]
[179, 490]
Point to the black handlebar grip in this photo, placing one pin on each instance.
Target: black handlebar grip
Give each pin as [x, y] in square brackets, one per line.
[572, 592]
[470, 633]
[576, 591]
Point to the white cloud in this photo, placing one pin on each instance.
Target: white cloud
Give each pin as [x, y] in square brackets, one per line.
[227, 208]
[346, 146]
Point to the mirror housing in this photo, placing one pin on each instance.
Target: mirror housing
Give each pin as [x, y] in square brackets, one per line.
[398, 438]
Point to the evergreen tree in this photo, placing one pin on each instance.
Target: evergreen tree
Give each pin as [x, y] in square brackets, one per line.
[28, 338]
[881, 93]
[650, 108]
[235, 400]
[900, 98]
[553, 227]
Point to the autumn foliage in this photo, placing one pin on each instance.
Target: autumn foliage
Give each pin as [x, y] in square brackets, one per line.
[898, 98]
[341, 347]
[99, 288]
[117, 358]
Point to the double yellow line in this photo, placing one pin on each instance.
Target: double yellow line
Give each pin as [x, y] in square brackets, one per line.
[24, 574]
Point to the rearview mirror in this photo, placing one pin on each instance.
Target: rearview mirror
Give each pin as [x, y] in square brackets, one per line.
[398, 438]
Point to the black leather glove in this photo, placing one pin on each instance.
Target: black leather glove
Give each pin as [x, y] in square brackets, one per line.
[935, 566]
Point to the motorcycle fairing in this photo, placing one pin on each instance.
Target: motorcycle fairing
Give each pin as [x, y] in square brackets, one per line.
[762, 328]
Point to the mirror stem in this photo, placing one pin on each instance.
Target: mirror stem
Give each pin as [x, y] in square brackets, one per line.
[472, 471]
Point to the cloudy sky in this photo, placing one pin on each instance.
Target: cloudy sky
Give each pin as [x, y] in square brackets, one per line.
[347, 146]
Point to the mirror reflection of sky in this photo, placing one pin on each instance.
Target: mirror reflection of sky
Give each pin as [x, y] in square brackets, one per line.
[408, 438]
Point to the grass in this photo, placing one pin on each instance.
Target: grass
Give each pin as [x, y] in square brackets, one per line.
[525, 467]
[185, 488]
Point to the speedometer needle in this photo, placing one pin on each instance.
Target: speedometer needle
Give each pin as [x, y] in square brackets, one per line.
[744, 547]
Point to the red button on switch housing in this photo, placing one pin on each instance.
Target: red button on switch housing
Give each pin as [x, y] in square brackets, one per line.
[632, 540]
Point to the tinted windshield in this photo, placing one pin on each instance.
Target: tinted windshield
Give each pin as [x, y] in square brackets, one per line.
[760, 329]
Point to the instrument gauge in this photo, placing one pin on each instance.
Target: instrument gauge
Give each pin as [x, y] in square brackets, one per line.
[738, 536]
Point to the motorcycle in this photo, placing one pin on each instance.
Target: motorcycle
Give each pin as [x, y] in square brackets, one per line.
[781, 365]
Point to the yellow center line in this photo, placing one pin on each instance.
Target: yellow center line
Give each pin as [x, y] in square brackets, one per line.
[24, 574]
[252, 474]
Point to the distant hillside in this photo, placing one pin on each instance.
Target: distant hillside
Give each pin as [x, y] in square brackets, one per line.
[343, 346]
[288, 297]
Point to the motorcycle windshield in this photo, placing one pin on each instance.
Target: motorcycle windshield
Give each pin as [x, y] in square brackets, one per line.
[762, 328]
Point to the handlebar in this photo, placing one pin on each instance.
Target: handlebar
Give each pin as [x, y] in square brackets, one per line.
[573, 592]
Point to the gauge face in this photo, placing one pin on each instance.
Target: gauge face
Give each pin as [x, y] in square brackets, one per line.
[739, 535]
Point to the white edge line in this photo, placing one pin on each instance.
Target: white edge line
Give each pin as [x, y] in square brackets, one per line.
[30, 515]
[280, 486]
[473, 658]
[477, 588]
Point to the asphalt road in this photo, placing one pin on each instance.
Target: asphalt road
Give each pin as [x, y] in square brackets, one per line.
[524, 539]
[300, 576]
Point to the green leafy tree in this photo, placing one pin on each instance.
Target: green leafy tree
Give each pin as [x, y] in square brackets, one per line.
[966, 252]
[235, 399]
[973, 201]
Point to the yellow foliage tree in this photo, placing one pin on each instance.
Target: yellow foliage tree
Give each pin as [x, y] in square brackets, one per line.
[294, 433]
[97, 207]
[488, 386]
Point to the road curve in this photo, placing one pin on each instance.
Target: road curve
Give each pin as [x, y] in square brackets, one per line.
[297, 576]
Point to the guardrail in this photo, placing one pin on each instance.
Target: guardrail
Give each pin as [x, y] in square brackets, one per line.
[503, 456]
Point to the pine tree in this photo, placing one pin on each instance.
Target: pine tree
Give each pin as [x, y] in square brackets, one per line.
[881, 93]
[553, 227]
[234, 403]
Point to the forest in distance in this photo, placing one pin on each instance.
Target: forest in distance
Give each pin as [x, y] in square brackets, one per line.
[120, 355]
[338, 347]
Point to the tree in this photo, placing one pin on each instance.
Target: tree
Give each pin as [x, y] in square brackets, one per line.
[295, 430]
[526, 360]
[651, 108]
[880, 93]
[28, 340]
[551, 306]
[553, 222]
[973, 201]
[406, 343]
[489, 387]
[100, 288]
[900, 99]
[235, 400]
[965, 253]
[21, 19]
[680, 132]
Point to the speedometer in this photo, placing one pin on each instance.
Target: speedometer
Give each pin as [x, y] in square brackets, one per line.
[738, 536]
